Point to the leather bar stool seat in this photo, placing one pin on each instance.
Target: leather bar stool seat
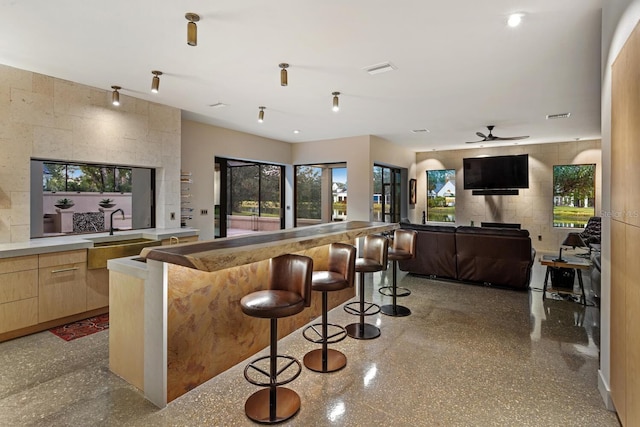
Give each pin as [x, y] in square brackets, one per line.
[404, 247]
[374, 259]
[340, 275]
[288, 293]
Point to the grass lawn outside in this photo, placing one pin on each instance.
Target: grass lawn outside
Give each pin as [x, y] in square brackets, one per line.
[571, 217]
[442, 214]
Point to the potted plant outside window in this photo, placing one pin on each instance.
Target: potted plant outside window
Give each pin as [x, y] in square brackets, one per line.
[107, 203]
[64, 203]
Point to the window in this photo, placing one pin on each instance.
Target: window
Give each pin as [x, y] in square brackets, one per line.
[308, 195]
[74, 198]
[254, 197]
[573, 195]
[320, 193]
[386, 193]
[441, 195]
[85, 178]
[339, 193]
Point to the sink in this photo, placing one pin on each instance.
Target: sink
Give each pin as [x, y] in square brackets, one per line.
[108, 249]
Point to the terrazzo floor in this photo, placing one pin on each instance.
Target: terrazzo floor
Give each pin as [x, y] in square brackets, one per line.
[467, 356]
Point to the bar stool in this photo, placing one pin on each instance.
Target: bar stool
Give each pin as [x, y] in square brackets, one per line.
[374, 259]
[342, 258]
[288, 293]
[404, 247]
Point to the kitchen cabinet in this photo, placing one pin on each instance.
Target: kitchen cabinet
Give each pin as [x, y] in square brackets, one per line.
[97, 288]
[18, 292]
[62, 284]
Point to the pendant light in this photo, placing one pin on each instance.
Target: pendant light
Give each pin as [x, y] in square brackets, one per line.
[283, 74]
[115, 95]
[155, 83]
[336, 101]
[192, 29]
[261, 114]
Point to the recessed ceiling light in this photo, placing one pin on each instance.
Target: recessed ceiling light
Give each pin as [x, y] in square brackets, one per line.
[296, 131]
[515, 19]
[217, 105]
[558, 116]
[420, 131]
[379, 68]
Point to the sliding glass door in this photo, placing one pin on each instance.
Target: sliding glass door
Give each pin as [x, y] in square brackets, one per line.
[253, 195]
[386, 194]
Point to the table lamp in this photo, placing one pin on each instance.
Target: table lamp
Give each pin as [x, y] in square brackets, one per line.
[574, 240]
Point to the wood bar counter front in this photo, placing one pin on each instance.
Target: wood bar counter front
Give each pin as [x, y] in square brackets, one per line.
[184, 304]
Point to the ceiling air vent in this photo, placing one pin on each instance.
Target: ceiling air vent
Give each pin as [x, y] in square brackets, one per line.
[420, 131]
[379, 68]
[558, 116]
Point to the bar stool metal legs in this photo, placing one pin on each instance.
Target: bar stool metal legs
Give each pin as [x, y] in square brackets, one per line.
[404, 247]
[362, 330]
[325, 359]
[273, 404]
[394, 309]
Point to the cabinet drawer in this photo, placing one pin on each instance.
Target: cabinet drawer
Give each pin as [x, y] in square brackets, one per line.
[62, 258]
[18, 314]
[62, 290]
[10, 265]
[18, 285]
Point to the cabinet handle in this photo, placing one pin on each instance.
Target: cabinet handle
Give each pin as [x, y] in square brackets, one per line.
[62, 270]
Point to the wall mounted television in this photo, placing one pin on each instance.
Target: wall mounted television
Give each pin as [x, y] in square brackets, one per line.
[495, 173]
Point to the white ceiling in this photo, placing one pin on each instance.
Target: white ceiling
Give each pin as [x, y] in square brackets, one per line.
[459, 66]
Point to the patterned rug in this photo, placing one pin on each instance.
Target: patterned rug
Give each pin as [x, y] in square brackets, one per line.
[82, 328]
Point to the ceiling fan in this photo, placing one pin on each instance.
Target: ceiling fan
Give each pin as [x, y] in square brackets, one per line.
[490, 137]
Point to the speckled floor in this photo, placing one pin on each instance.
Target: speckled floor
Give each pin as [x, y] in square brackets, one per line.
[467, 356]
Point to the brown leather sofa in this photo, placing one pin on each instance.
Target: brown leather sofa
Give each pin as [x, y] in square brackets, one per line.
[490, 256]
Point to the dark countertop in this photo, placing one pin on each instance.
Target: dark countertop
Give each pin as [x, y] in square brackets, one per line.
[214, 255]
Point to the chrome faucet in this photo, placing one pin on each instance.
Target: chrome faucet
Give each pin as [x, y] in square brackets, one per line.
[111, 222]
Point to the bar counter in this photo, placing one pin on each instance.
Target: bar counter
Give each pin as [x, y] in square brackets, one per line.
[191, 322]
[219, 254]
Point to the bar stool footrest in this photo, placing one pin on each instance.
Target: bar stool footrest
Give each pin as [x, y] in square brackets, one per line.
[317, 338]
[370, 308]
[254, 365]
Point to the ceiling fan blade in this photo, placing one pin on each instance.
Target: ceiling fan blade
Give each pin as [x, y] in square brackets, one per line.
[481, 135]
[510, 138]
[474, 142]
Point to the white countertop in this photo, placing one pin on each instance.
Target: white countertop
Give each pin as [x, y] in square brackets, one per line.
[83, 241]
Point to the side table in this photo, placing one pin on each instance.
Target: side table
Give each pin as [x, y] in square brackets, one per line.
[576, 263]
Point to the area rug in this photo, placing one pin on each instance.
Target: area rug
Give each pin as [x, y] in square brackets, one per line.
[82, 328]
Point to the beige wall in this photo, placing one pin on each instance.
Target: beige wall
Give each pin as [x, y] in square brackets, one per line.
[532, 208]
[360, 153]
[201, 143]
[48, 118]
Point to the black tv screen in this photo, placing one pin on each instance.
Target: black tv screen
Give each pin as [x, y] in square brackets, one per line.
[499, 172]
